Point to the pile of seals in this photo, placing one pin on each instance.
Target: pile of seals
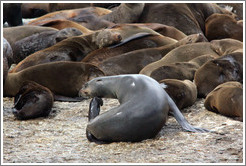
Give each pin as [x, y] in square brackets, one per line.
[154, 58]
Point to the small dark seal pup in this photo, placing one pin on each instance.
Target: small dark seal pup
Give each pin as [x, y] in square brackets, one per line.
[32, 101]
[143, 110]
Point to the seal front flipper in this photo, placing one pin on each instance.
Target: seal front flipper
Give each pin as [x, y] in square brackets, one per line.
[94, 108]
[94, 111]
[133, 37]
[181, 119]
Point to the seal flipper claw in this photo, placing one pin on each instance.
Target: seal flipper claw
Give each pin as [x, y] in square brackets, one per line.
[181, 119]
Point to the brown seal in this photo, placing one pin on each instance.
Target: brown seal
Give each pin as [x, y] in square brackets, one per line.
[215, 72]
[143, 109]
[180, 70]
[226, 46]
[164, 30]
[141, 42]
[226, 99]
[31, 44]
[220, 26]
[183, 92]
[62, 78]
[32, 101]
[125, 13]
[180, 54]
[13, 34]
[70, 49]
[61, 24]
[134, 61]
[186, 17]
[88, 17]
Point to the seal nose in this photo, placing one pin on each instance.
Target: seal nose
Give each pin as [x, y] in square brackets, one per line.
[83, 93]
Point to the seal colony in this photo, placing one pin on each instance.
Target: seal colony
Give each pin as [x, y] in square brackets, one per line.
[143, 110]
[85, 52]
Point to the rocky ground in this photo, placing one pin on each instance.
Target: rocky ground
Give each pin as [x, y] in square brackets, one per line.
[60, 138]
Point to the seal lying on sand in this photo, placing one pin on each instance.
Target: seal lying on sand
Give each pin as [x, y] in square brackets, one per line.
[226, 99]
[62, 78]
[143, 110]
[220, 70]
[32, 101]
[183, 92]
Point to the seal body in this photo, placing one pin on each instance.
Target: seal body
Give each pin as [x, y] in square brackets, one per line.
[13, 34]
[62, 78]
[186, 17]
[182, 53]
[32, 101]
[183, 92]
[36, 42]
[220, 70]
[143, 110]
[220, 26]
[226, 99]
[71, 49]
[133, 62]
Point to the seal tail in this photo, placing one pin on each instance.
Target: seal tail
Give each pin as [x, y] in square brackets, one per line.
[181, 119]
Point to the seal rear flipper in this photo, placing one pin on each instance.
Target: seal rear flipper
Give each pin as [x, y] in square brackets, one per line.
[181, 119]
[91, 138]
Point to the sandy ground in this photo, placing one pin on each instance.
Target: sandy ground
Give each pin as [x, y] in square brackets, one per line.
[60, 138]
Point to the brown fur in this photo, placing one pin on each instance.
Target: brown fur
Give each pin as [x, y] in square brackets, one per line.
[125, 13]
[31, 44]
[180, 70]
[62, 78]
[226, 46]
[237, 8]
[133, 62]
[71, 49]
[188, 18]
[164, 30]
[226, 99]
[32, 101]
[180, 54]
[88, 17]
[61, 24]
[218, 71]
[13, 34]
[183, 93]
[150, 41]
[220, 26]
